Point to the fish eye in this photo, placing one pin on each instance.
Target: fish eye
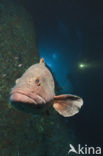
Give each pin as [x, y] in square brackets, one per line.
[37, 81]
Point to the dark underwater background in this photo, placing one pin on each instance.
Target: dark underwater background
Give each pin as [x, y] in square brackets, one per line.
[69, 36]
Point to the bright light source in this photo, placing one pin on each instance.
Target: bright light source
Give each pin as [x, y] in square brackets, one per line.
[82, 65]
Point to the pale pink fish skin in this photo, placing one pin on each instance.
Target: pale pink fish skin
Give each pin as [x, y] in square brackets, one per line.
[36, 86]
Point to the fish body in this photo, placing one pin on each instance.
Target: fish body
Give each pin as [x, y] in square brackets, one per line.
[35, 90]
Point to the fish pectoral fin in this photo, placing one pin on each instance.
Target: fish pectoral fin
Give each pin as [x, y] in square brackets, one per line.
[67, 105]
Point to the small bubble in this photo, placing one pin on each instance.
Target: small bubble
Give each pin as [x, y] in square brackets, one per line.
[15, 57]
[19, 65]
[3, 75]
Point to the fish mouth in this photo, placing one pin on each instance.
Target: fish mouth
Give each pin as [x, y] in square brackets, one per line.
[23, 97]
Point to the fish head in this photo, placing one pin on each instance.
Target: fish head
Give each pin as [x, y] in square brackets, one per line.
[35, 87]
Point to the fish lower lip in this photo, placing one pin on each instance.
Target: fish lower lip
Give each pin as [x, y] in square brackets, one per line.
[20, 96]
